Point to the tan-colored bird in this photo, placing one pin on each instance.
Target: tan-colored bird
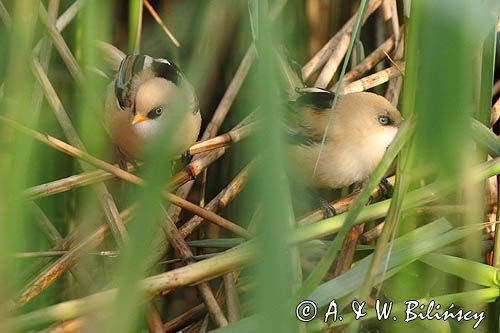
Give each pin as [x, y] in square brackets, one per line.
[363, 125]
[149, 96]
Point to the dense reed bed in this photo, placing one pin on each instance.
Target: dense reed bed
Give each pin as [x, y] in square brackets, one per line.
[224, 240]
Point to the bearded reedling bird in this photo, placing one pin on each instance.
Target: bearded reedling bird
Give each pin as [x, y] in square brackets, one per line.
[148, 96]
[363, 125]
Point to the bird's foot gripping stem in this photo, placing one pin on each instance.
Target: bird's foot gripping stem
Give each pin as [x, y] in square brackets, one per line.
[386, 189]
[327, 210]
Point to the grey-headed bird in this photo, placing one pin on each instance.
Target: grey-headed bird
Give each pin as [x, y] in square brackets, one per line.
[148, 96]
[363, 125]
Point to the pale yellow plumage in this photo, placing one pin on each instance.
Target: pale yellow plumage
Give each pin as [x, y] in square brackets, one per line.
[355, 142]
[133, 127]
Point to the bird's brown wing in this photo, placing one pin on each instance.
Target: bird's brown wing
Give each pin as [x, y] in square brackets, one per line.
[307, 116]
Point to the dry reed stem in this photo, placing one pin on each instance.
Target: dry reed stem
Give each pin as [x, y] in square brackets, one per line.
[232, 302]
[231, 260]
[69, 183]
[321, 57]
[105, 199]
[368, 63]
[45, 225]
[158, 20]
[191, 171]
[327, 73]
[63, 20]
[394, 90]
[57, 241]
[60, 45]
[495, 113]
[373, 80]
[232, 91]
[348, 250]
[153, 319]
[395, 85]
[390, 12]
[185, 318]
[50, 274]
[341, 205]
[175, 239]
[231, 137]
[201, 161]
[221, 200]
[496, 88]
[77, 153]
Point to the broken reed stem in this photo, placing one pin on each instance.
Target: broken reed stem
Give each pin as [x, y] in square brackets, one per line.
[374, 80]
[322, 56]
[158, 20]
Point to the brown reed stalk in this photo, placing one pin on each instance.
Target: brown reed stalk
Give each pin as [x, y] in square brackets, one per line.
[158, 20]
[368, 63]
[176, 240]
[374, 80]
[322, 56]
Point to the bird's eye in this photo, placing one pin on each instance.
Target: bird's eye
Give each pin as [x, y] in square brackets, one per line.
[384, 120]
[155, 113]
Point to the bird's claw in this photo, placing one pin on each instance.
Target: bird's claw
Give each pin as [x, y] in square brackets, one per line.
[327, 210]
[386, 189]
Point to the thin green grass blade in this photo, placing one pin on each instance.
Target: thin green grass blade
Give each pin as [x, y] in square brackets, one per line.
[356, 31]
[469, 270]
[134, 25]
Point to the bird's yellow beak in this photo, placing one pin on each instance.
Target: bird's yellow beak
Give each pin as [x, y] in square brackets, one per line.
[138, 119]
